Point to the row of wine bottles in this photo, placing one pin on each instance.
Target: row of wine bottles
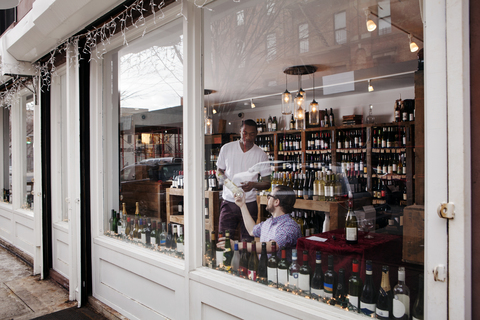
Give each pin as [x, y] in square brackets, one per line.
[330, 286]
[269, 126]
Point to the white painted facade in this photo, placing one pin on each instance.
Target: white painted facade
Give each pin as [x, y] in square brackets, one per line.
[143, 285]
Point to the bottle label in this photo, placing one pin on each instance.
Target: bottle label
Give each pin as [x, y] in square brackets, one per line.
[121, 230]
[304, 282]
[367, 308]
[272, 274]
[293, 280]
[143, 238]
[415, 318]
[252, 275]
[219, 258]
[351, 234]
[328, 289]
[163, 242]
[283, 277]
[180, 247]
[353, 300]
[401, 304]
[153, 241]
[318, 292]
[382, 313]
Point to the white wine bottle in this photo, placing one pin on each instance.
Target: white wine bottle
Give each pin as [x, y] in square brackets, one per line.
[401, 297]
[351, 228]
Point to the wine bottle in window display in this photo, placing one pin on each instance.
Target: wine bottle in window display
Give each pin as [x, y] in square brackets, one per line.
[236, 258]
[341, 290]
[316, 286]
[169, 238]
[135, 231]
[163, 237]
[219, 252]
[401, 297]
[305, 274]
[128, 229]
[243, 266]
[148, 231]
[180, 241]
[227, 253]
[283, 269]
[253, 263]
[385, 296]
[272, 263]
[329, 279]
[120, 225]
[293, 271]
[153, 235]
[368, 299]
[355, 286]
[262, 265]
[417, 310]
[113, 222]
[212, 257]
[351, 228]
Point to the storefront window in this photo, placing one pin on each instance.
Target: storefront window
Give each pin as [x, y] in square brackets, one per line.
[7, 155]
[327, 195]
[29, 163]
[150, 142]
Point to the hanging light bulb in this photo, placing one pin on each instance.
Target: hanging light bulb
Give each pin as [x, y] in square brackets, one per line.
[214, 111]
[370, 87]
[252, 105]
[208, 118]
[413, 45]
[286, 100]
[314, 117]
[371, 25]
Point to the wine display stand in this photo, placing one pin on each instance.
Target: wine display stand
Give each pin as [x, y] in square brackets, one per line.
[174, 196]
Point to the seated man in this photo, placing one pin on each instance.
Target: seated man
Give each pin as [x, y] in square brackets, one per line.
[280, 227]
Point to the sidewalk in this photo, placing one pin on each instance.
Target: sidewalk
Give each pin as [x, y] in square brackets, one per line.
[24, 296]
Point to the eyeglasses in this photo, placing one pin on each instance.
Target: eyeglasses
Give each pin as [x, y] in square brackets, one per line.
[271, 196]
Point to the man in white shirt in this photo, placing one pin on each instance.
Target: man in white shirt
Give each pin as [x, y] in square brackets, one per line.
[238, 157]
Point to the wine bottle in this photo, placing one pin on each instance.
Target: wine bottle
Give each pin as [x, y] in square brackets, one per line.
[262, 265]
[283, 269]
[331, 118]
[163, 237]
[180, 208]
[135, 230]
[316, 286]
[329, 279]
[168, 240]
[180, 241]
[368, 299]
[243, 266]
[341, 290]
[305, 274]
[174, 238]
[128, 228]
[401, 297]
[235, 259]
[148, 232]
[212, 255]
[120, 225]
[137, 210]
[355, 286]
[253, 263]
[227, 253]
[385, 296]
[417, 310]
[293, 271]
[272, 263]
[153, 235]
[219, 252]
[113, 222]
[351, 228]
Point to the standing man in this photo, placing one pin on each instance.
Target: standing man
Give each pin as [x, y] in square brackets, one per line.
[238, 157]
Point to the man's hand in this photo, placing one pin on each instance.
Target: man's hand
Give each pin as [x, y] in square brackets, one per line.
[240, 201]
[247, 186]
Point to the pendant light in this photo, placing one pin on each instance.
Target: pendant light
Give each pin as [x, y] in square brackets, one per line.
[299, 108]
[286, 100]
[370, 87]
[314, 118]
[413, 45]
[208, 116]
[371, 25]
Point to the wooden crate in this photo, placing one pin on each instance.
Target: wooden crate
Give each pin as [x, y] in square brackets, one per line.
[413, 234]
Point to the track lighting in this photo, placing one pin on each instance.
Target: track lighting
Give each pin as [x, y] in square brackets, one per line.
[413, 45]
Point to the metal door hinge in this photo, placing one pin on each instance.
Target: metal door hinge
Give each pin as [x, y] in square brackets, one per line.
[446, 210]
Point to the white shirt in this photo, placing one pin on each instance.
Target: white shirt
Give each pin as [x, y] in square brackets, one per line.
[232, 160]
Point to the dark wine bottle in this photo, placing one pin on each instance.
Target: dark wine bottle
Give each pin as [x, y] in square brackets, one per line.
[368, 299]
[243, 267]
[355, 286]
[385, 296]
[227, 253]
[272, 263]
[213, 250]
[417, 310]
[316, 286]
[329, 279]
[341, 289]
[305, 274]
[253, 263]
[168, 241]
[262, 265]
[283, 269]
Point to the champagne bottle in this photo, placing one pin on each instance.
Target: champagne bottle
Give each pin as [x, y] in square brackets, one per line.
[262, 265]
[219, 252]
[316, 286]
[137, 210]
[236, 258]
[253, 263]
[227, 253]
[417, 310]
[283, 269]
[305, 274]
[243, 266]
[272, 263]
[124, 209]
[293, 271]
[351, 228]
[180, 241]
[368, 299]
[385, 296]
[341, 290]
[329, 279]
[401, 299]
[355, 286]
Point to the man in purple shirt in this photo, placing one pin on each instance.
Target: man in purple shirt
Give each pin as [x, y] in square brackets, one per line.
[280, 227]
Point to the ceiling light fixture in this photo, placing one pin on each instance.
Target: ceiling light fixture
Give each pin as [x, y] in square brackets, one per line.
[370, 87]
[314, 114]
[371, 25]
[208, 116]
[286, 100]
[252, 105]
[413, 45]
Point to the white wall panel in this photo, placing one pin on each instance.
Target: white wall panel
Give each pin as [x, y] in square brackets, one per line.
[61, 247]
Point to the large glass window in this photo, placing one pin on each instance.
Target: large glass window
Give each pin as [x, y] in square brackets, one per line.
[7, 154]
[312, 162]
[29, 149]
[150, 142]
